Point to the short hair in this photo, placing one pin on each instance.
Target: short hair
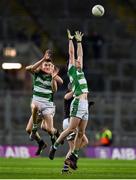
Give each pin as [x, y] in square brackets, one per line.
[48, 60]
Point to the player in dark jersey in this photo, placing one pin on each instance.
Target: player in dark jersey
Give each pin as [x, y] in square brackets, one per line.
[70, 138]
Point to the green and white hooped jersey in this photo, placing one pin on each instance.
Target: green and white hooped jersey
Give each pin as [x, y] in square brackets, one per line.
[42, 90]
[78, 80]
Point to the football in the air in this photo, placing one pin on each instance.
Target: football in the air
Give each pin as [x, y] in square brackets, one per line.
[98, 10]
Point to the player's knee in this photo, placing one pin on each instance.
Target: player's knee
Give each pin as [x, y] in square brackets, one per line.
[28, 130]
[43, 127]
[80, 133]
[49, 130]
[71, 129]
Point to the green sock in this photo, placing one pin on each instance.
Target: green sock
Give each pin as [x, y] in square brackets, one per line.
[76, 152]
[56, 145]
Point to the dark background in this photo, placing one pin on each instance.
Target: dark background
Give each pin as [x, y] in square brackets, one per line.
[109, 42]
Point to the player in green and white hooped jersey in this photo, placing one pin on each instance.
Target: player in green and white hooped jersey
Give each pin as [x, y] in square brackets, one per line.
[71, 137]
[79, 105]
[44, 85]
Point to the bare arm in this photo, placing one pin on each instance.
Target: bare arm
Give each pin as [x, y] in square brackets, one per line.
[55, 75]
[54, 85]
[71, 49]
[34, 67]
[58, 79]
[80, 53]
[54, 71]
[68, 95]
[78, 36]
[71, 53]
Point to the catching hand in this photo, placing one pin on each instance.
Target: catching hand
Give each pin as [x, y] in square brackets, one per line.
[69, 35]
[78, 35]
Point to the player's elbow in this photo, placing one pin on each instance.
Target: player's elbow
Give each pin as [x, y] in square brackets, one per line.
[61, 81]
[67, 96]
[54, 90]
[29, 68]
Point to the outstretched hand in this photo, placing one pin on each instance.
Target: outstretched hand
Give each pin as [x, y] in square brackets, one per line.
[78, 36]
[69, 34]
[46, 55]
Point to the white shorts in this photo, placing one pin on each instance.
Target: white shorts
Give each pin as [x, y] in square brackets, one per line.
[65, 123]
[45, 107]
[79, 108]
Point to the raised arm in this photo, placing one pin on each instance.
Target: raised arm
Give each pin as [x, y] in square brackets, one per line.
[78, 36]
[32, 68]
[71, 48]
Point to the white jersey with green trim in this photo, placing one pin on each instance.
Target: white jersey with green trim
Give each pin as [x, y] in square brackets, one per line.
[78, 80]
[42, 90]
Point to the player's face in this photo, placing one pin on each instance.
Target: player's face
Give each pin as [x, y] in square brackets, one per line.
[46, 67]
[78, 64]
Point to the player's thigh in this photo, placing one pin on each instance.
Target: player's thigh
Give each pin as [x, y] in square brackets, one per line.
[48, 121]
[82, 125]
[48, 111]
[74, 122]
[34, 106]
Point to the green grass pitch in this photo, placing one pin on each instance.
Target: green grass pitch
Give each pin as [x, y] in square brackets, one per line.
[43, 168]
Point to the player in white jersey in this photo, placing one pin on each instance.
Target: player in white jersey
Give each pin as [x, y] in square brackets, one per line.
[79, 105]
[44, 85]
